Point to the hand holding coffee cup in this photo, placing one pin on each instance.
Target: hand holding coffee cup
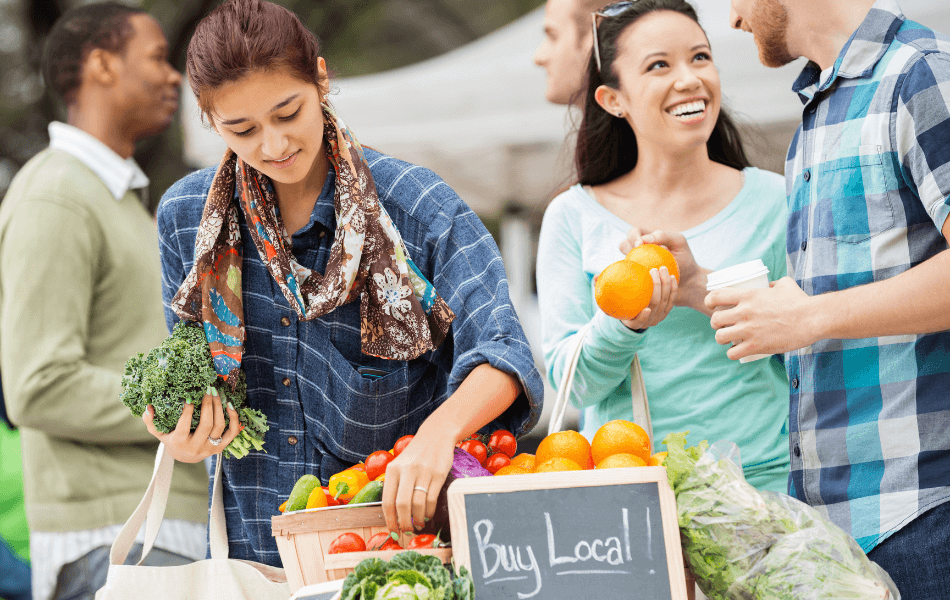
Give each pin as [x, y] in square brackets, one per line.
[746, 276]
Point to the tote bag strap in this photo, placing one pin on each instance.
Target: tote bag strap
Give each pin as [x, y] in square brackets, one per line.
[151, 511]
[641, 406]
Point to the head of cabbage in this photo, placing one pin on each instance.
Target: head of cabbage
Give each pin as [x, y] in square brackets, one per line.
[406, 585]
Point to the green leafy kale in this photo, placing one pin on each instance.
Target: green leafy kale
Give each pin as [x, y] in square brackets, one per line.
[181, 370]
[409, 575]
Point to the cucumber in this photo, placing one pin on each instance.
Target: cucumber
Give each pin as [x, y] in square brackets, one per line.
[371, 492]
[301, 492]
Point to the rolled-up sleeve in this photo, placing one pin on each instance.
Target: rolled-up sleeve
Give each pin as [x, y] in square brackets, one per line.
[470, 277]
[922, 133]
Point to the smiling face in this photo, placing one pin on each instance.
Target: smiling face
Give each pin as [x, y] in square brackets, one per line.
[767, 21]
[669, 89]
[146, 88]
[273, 121]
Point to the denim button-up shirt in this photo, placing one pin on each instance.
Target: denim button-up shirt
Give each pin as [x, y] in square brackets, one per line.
[868, 177]
[323, 414]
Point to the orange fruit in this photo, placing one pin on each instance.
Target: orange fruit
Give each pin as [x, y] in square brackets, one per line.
[619, 436]
[523, 460]
[558, 464]
[620, 461]
[654, 256]
[513, 470]
[623, 289]
[564, 444]
[657, 459]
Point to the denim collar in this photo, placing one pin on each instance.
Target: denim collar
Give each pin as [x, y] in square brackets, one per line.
[861, 53]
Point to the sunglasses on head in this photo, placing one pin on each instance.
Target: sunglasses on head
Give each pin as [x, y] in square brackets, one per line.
[611, 10]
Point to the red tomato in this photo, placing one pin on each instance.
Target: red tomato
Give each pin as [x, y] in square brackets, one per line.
[476, 449]
[504, 442]
[401, 444]
[331, 501]
[347, 542]
[376, 463]
[383, 541]
[425, 540]
[497, 461]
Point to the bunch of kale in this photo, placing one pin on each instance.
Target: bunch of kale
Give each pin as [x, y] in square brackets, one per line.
[180, 370]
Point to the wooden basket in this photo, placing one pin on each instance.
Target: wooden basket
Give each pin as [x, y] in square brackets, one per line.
[304, 536]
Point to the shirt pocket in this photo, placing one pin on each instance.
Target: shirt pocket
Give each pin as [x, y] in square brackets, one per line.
[364, 414]
[855, 197]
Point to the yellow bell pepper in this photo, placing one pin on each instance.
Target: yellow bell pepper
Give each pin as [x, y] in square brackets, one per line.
[345, 484]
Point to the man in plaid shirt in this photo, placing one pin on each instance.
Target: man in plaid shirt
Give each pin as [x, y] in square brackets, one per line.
[865, 313]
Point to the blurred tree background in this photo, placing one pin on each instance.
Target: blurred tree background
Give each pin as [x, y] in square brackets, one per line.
[358, 38]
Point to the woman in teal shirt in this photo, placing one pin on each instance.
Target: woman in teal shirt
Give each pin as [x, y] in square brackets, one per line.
[656, 153]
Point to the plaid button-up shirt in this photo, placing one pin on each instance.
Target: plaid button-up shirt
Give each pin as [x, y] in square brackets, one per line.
[324, 410]
[868, 177]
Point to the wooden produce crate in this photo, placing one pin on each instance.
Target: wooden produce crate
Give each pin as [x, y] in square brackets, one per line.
[304, 536]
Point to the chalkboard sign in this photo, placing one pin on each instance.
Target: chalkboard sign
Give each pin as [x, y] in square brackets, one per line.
[577, 534]
[319, 591]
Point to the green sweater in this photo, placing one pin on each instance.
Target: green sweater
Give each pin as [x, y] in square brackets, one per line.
[80, 292]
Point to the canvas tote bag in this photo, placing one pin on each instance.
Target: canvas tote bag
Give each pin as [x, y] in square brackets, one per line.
[641, 408]
[217, 578]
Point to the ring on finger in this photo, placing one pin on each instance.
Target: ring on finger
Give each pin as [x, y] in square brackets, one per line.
[419, 488]
[215, 441]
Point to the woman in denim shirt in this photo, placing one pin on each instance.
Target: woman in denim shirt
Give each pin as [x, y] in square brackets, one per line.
[361, 297]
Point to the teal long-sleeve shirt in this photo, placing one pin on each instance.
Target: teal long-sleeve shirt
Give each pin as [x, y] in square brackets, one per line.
[691, 384]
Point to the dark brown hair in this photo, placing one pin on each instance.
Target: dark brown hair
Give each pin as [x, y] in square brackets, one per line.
[243, 36]
[77, 33]
[606, 145]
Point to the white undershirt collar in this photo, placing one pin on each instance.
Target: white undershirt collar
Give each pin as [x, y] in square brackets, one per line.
[118, 174]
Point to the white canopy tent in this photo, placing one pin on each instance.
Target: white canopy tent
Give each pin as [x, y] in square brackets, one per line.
[477, 115]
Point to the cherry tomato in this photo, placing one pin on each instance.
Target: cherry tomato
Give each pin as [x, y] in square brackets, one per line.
[347, 542]
[383, 541]
[376, 463]
[401, 444]
[497, 461]
[425, 540]
[505, 442]
[476, 449]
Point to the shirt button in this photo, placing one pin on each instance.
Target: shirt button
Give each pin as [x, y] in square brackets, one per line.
[286, 381]
[323, 233]
[798, 451]
[807, 176]
[285, 322]
[293, 441]
[794, 383]
[804, 245]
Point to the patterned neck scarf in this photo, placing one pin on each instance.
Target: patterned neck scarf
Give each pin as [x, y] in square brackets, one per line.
[401, 315]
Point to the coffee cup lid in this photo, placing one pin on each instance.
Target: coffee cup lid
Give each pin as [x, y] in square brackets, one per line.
[736, 274]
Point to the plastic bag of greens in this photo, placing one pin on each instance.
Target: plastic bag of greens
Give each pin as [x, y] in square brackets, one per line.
[742, 543]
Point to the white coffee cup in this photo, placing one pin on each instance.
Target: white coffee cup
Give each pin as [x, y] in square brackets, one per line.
[750, 275]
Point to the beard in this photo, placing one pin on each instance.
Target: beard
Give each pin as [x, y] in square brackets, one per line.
[771, 31]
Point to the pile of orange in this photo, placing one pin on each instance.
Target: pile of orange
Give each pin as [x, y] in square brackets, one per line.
[625, 287]
[616, 444]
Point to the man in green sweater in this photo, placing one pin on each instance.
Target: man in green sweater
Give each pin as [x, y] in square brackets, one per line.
[80, 293]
